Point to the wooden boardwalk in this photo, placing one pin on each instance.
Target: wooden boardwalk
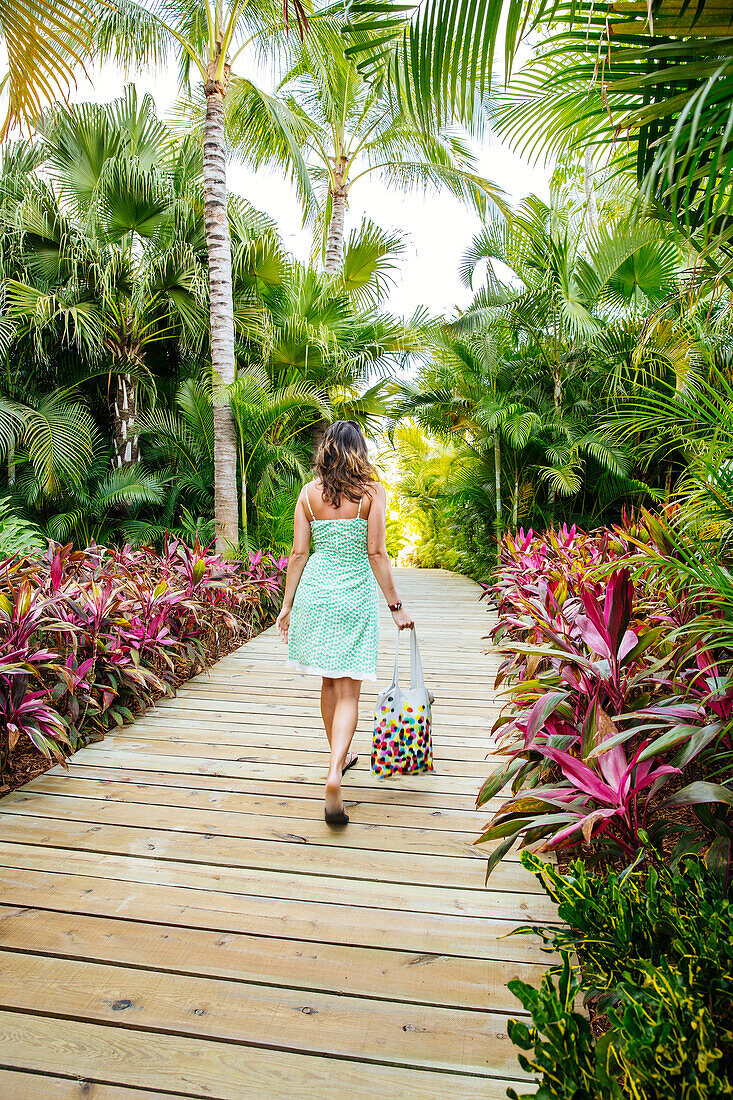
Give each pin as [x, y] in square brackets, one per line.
[176, 919]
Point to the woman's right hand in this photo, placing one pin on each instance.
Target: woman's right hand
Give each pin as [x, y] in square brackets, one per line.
[403, 619]
[283, 624]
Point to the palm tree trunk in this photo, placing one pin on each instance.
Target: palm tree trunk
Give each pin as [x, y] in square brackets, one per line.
[668, 483]
[124, 410]
[335, 240]
[590, 196]
[218, 245]
[317, 434]
[497, 479]
[515, 509]
[557, 392]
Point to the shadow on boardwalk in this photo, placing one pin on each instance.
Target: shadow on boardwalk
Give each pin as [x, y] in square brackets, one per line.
[177, 918]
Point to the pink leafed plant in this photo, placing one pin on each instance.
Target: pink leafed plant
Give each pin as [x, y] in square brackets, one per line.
[607, 703]
[88, 639]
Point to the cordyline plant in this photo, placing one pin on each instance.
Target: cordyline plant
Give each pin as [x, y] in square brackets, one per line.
[88, 639]
[606, 706]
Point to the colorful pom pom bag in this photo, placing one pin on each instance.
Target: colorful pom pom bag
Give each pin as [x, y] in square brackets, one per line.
[402, 742]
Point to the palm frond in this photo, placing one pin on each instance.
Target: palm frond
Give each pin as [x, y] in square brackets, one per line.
[45, 41]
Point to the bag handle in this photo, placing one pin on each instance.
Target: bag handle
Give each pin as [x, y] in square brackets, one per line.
[417, 680]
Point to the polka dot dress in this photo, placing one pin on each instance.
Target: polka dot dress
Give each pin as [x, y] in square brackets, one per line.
[334, 624]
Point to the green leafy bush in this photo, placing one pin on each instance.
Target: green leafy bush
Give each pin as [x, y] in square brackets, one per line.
[655, 949]
[664, 1038]
[662, 1044]
[617, 923]
[564, 1050]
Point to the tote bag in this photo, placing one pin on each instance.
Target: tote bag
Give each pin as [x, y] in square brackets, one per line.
[402, 742]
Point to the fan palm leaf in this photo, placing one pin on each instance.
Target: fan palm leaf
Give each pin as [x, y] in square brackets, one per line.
[59, 438]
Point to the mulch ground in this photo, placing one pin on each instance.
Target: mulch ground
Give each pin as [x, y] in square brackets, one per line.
[25, 764]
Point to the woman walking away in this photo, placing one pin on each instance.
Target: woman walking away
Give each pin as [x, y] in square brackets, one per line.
[330, 612]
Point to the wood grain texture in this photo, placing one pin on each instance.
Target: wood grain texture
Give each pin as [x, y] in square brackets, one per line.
[176, 918]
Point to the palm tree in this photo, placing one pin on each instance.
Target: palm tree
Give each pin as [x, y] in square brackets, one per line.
[468, 392]
[179, 442]
[210, 36]
[332, 333]
[568, 282]
[102, 505]
[349, 130]
[108, 265]
[270, 422]
[47, 439]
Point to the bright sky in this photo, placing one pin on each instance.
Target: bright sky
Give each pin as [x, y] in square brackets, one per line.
[437, 227]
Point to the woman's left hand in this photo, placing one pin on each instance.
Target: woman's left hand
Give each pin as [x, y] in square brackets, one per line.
[283, 624]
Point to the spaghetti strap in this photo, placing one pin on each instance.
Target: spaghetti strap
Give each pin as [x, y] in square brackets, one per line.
[308, 499]
[358, 514]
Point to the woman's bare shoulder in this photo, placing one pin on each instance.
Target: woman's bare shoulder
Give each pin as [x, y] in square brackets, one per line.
[374, 494]
[375, 491]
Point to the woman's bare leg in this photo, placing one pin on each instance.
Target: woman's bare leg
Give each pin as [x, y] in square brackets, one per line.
[343, 728]
[328, 704]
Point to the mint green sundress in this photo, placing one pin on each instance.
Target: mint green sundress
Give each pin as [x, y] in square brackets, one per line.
[334, 624]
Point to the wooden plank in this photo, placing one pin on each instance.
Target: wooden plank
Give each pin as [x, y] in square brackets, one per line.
[331, 855]
[420, 978]
[220, 703]
[422, 840]
[104, 755]
[287, 885]
[298, 760]
[313, 741]
[19, 1085]
[278, 801]
[448, 722]
[309, 724]
[240, 681]
[378, 1031]
[311, 921]
[387, 795]
[222, 1071]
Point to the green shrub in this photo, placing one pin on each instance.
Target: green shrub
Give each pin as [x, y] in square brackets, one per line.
[658, 946]
[662, 1043]
[564, 1050]
[683, 915]
[664, 1039]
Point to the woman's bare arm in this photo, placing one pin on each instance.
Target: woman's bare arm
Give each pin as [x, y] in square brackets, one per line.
[379, 558]
[296, 564]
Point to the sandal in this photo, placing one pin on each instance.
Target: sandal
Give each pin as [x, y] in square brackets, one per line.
[336, 819]
[352, 762]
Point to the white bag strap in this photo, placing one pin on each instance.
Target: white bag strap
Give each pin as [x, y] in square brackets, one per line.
[417, 680]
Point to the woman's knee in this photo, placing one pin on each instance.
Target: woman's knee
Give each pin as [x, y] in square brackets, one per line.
[346, 688]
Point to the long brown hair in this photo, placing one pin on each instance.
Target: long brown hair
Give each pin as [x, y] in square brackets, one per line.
[343, 465]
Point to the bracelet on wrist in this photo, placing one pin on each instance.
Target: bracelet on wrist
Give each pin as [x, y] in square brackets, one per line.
[395, 606]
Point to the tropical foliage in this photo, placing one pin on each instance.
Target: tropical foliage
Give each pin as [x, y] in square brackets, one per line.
[107, 402]
[620, 693]
[88, 639]
[654, 950]
[535, 386]
[646, 85]
[348, 130]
